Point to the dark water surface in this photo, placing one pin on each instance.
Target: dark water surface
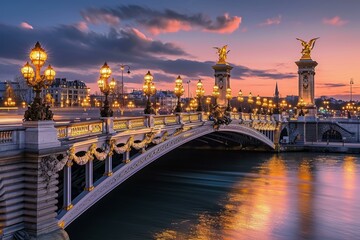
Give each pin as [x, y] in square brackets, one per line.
[202, 194]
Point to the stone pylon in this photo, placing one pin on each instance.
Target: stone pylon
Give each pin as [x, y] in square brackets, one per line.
[306, 71]
[222, 80]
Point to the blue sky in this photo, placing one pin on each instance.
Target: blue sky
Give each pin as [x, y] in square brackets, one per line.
[173, 38]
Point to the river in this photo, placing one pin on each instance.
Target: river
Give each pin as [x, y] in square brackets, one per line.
[212, 194]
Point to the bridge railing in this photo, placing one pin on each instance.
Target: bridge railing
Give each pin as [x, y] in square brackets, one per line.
[79, 129]
[12, 138]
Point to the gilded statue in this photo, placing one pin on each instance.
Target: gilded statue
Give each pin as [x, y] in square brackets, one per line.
[222, 52]
[307, 47]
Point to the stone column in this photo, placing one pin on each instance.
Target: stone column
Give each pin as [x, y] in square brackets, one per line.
[222, 80]
[306, 71]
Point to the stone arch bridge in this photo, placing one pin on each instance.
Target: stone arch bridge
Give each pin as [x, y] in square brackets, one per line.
[37, 153]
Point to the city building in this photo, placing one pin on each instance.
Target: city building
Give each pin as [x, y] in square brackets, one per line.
[67, 93]
[20, 90]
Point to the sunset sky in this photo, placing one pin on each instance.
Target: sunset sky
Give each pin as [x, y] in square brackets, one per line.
[172, 38]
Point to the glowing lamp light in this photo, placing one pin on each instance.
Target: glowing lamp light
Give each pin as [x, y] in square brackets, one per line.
[112, 84]
[50, 73]
[38, 55]
[228, 93]
[101, 83]
[105, 71]
[27, 71]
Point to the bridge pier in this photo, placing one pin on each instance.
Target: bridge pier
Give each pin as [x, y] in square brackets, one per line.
[30, 211]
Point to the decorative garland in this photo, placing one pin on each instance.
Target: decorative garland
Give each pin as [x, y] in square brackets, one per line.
[111, 147]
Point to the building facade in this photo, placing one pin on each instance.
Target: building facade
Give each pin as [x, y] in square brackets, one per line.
[67, 93]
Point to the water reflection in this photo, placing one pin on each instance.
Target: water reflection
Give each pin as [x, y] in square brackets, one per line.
[243, 196]
[253, 209]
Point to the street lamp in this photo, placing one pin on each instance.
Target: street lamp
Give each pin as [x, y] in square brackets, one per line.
[240, 98]
[216, 93]
[258, 103]
[265, 105]
[301, 105]
[37, 110]
[283, 105]
[228, 97]
[179, 91]
[208, 101]
[106, 88]
[122, 68]
[149, 90]
[9, 102]
[250, 102]
[199, 94]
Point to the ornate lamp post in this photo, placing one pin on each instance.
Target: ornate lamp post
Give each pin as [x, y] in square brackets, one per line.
[208, 101]
[228, 97]
[271, 106]
[149, 90]
[216, 93]
[301, 105]
[37, 110]
[106, 88]
[258, 103]
[250, 102]
[179, 91]
[265, 105]
[240, 98]
[122, 68]
[199, 94]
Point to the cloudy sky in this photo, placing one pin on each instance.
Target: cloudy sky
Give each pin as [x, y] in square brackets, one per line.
[172, 38]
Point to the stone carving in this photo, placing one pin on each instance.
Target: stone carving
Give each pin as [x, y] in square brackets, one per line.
[50, 165]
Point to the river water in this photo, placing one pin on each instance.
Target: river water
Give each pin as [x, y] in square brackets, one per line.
[205, 194]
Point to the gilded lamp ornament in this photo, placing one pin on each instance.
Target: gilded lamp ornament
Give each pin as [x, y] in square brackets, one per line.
[307, 47]
[228, 97]
[38, 110]
[106, 88]
[179, 91]
[199, 94]
[149, 90]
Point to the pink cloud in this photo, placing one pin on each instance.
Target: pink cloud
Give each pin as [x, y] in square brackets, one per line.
[271, 21]
[225, 24]
[139, 34]
[82, 26]
[335, 21]
[105, 17]
[169, 25]
[26, 25]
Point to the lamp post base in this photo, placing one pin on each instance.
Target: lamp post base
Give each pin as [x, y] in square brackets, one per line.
[38, 111]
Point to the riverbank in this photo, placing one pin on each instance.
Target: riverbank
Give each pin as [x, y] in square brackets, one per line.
[333, 147]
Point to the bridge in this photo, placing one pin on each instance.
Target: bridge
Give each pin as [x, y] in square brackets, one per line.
[29, 174]
[35, 155]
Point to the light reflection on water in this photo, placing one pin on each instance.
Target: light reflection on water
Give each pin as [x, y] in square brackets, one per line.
[233, 195]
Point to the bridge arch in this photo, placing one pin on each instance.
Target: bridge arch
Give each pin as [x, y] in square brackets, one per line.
[123, 172]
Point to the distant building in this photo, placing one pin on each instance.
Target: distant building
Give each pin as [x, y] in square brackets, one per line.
[67, 93]
[21, 92]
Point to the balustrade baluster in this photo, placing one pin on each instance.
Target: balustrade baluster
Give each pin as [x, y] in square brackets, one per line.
[89, 176]
[67, 186]
[126, 157]
[108, 166]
